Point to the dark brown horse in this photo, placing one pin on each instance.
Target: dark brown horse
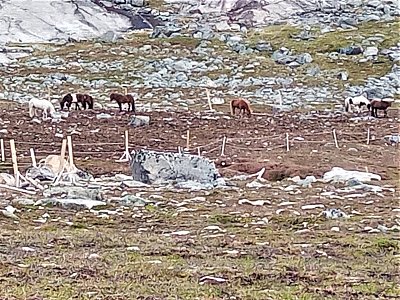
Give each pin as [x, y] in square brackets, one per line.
[84, 99]
[376, 105]
[242, 105]
[120, 99]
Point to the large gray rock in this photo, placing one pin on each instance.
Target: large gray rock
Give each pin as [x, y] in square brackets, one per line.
[160, 167]
[37, 21]
[137, 121]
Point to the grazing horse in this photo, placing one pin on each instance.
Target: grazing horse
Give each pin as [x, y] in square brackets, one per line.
[242, 105]
[88, 100]
[44, 105]
[375, 104]
[83, 99]
[357, 101]
[120, 99]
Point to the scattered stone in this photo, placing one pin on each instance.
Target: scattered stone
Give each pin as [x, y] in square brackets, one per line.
[351, 50]
[304, 182]
[343, 75]
[104, 116]
[371, 51]
[254, 202]
[263, 46]
[283, 56]
[43, 173]
[393, 139]
[131, 200]
[178, 233]
[7, 179]
[93, 256]
[214, 228]
[312, 206]
[9, 212]
[333, 213]
[74, 192]
[133, 249]
[211, 280]
[73, 203]
[28, 249]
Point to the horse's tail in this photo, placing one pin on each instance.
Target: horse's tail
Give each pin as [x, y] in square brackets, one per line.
[347, 104]
[31, 109]
[132, 100]
[231, 106]
[90, 102]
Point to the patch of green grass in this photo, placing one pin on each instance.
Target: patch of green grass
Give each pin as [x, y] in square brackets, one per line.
[282, 36]
[158, 4]
[182, 41]
[387, 245]
[225, 219]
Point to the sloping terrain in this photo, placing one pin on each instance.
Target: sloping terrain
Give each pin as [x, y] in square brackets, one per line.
[276, 237]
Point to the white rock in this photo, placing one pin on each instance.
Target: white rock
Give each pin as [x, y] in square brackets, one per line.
[254, 203]
[179, 233]
[337, 174]
[336, 229]
[214, 227]
[312, 206]
[371, 51]
[211, 279]
[133, 248]
[93, 256]
[28, 249]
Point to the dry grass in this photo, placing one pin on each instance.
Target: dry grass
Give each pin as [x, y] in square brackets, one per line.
[271, 261]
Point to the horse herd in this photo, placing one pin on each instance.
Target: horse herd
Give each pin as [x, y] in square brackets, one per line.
[359, 101]
[78, 99]
[242, 105]
[372, 105]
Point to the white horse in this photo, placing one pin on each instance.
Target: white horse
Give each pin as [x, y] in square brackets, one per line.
[44, 105]
[357, 101]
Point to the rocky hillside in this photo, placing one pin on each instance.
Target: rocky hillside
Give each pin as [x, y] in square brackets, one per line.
[311, 55]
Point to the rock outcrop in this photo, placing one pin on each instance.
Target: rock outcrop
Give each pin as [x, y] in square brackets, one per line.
[160, 167]
[38, 21]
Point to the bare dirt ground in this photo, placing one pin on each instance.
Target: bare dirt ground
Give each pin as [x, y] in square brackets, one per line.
[275, 251]
[259, 139]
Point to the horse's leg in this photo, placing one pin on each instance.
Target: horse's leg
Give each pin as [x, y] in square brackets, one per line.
[385, 113]
[120, 106]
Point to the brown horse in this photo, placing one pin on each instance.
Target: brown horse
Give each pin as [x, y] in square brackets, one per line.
[83, 99]
[374, 105]
[242, 105]
[120, 99]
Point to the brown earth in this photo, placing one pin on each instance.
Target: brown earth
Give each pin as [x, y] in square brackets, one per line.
[252, 143]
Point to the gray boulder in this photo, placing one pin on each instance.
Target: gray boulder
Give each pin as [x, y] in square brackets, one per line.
[138, 121]
[160, 167]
